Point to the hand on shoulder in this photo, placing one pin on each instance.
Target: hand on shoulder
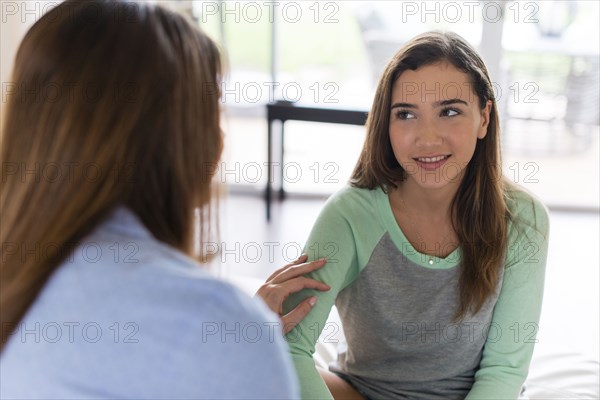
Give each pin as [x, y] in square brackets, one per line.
[288, 280]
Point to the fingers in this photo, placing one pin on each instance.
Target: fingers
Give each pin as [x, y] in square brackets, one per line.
[275, 294]
[297, 284]
[272, 297]
[293, 318]
[299, 260]
[290, 279]
[294, 271]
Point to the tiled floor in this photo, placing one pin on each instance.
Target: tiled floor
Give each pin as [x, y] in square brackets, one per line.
[253, 248]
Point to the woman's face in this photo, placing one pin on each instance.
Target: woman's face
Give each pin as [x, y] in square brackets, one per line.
[435, 122]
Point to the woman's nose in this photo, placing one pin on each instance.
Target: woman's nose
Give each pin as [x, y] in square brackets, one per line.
[429, 135]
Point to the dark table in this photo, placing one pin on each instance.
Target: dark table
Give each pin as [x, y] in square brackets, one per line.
[286, 111]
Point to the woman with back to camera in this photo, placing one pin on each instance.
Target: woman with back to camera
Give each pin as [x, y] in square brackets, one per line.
[438, 263]
[102, 169]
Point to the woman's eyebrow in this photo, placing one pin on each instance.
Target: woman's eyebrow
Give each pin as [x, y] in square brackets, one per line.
[439, 103]
[448, 102]
[403, 105]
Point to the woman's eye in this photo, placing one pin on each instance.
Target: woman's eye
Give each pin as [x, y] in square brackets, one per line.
[404, 115]
[450, 112]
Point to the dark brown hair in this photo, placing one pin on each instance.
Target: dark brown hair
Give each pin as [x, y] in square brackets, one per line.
[114, 105]
[479, 211]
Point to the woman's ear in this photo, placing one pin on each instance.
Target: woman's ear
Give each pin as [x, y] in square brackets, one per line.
[485, 120]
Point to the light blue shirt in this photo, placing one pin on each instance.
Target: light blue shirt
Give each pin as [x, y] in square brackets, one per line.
[126, 316]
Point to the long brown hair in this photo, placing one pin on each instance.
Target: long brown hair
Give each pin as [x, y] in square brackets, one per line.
[115, 104]
[479, 211]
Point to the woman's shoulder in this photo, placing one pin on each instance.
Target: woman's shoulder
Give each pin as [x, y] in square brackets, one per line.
[121, 266]
[348, 192]
[526, 209]
[166, 328]
[353, 198]
[148, 303]
[353, 208]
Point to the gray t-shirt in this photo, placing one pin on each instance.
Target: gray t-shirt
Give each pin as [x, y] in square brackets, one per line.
[403, 341]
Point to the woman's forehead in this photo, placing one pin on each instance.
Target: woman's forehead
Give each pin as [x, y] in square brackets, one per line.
[432, 83]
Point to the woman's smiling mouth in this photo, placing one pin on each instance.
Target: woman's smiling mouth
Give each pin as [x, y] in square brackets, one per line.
[432, 162]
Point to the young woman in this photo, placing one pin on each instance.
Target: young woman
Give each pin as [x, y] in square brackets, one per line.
[435, 261]
[108, 135]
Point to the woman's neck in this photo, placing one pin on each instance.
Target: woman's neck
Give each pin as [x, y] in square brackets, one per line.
[424, 216]
[436, 203]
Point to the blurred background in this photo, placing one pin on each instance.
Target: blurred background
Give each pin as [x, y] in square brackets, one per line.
[543, 57]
